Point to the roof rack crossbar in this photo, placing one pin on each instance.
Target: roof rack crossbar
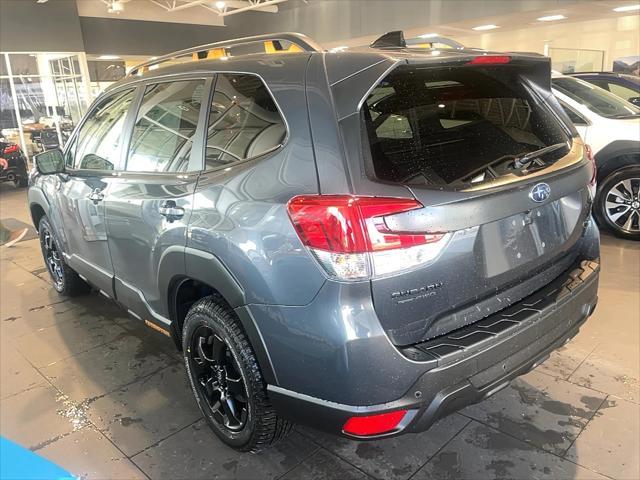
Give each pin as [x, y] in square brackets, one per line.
[302, 41]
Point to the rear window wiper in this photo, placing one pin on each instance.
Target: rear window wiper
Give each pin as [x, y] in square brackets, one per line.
[523, 160]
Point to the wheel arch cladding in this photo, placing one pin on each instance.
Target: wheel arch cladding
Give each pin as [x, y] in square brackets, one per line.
[38, 205]
[37, 212]
[205, 276]
[616, 155]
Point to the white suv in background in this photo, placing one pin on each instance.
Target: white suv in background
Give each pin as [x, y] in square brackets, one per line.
[611, 126]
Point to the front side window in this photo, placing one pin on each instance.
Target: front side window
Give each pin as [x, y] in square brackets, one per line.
[594, 98]
[97, 146]
[165, 127]
[244, 121]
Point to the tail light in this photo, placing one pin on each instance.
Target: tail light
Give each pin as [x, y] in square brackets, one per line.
[374, 424]
[10, 149]
[490, 60]
[351, 240]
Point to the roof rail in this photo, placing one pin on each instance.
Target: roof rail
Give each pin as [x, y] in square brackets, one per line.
[396, 40]
[303, 42]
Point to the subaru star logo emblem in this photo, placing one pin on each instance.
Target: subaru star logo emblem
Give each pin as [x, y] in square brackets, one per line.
[540, 192]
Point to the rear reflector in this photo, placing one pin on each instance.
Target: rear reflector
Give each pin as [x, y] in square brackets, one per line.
[374, 424]
[490, 60]
[349, 236]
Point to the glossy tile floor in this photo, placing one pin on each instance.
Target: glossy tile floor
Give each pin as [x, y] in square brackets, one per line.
[103, 396]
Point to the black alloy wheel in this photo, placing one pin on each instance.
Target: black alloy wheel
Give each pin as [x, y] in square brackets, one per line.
[220, 383]
[65, 280]
[226, 378]
[52, 257]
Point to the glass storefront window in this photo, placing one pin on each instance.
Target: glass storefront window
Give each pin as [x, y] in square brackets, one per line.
[103, 73]
[8, 120]
[23, 64]
[3, 67]
[571, 60]
[44, 95]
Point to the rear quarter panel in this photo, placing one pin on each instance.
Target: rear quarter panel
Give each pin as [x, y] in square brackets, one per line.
[239, 212]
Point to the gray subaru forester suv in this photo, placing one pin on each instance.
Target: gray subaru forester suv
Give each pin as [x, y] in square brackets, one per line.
[360, 241]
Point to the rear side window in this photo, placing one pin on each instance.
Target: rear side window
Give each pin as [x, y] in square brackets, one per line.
[97, 146]
[573, 116]
[244, 121]
[165, 127]
[455, 126]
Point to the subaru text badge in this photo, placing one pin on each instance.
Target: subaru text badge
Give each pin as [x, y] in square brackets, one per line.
[540, 192]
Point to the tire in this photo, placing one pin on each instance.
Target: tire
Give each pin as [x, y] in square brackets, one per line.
[623, 220]
[218, 357]
[65, 280]
[21, 182]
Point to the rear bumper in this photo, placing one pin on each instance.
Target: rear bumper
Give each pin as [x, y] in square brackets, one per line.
[471, 363]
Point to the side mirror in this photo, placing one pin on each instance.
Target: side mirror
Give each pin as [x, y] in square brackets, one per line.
[635, 101]
[50, 162]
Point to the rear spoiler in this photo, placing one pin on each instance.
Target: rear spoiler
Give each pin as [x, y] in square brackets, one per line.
[352, 91]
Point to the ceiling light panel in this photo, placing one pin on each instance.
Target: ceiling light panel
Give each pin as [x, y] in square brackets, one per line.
[627, 8]
[551, 18]
[481, 28]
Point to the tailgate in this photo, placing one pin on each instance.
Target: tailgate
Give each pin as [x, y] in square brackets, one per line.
[500, 174]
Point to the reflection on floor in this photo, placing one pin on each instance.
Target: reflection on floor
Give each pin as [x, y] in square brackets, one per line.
[103, 396]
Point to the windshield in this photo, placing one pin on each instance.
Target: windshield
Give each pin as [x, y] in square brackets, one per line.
[595, 98]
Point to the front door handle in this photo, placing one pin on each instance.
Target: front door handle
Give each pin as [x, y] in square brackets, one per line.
[170, 210]
[96, 196]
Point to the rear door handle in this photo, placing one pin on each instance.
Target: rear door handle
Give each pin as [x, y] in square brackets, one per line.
[96, 196]
[170, 210]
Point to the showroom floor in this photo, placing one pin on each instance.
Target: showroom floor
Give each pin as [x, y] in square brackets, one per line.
[105, 397]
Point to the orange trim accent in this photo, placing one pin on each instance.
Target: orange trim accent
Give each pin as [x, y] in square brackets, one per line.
[157, 328]
[217, 53]
[269, 47]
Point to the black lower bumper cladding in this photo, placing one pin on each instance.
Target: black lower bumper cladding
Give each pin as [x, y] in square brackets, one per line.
[473, 362]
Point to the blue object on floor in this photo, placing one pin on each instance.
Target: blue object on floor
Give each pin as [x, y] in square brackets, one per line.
[18, 463]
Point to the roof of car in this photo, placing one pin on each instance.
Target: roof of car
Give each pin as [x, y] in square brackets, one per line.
[349, 62]
[390, 47]
[626, 77]
[577, 74]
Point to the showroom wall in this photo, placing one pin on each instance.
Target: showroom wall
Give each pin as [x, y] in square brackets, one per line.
[354, 18]
[51, 26]
[56, 25]
[589, 35]
[106, 35]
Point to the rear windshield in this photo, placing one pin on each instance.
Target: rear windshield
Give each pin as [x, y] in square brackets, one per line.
[458, 126]
[596, 99]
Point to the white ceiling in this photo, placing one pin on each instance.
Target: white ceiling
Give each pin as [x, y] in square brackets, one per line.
[196, 12]
[580, 11]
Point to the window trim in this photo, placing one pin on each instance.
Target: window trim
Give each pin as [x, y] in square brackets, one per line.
[196, 158]
[585, 121]
[138, 87]
[282, 144]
